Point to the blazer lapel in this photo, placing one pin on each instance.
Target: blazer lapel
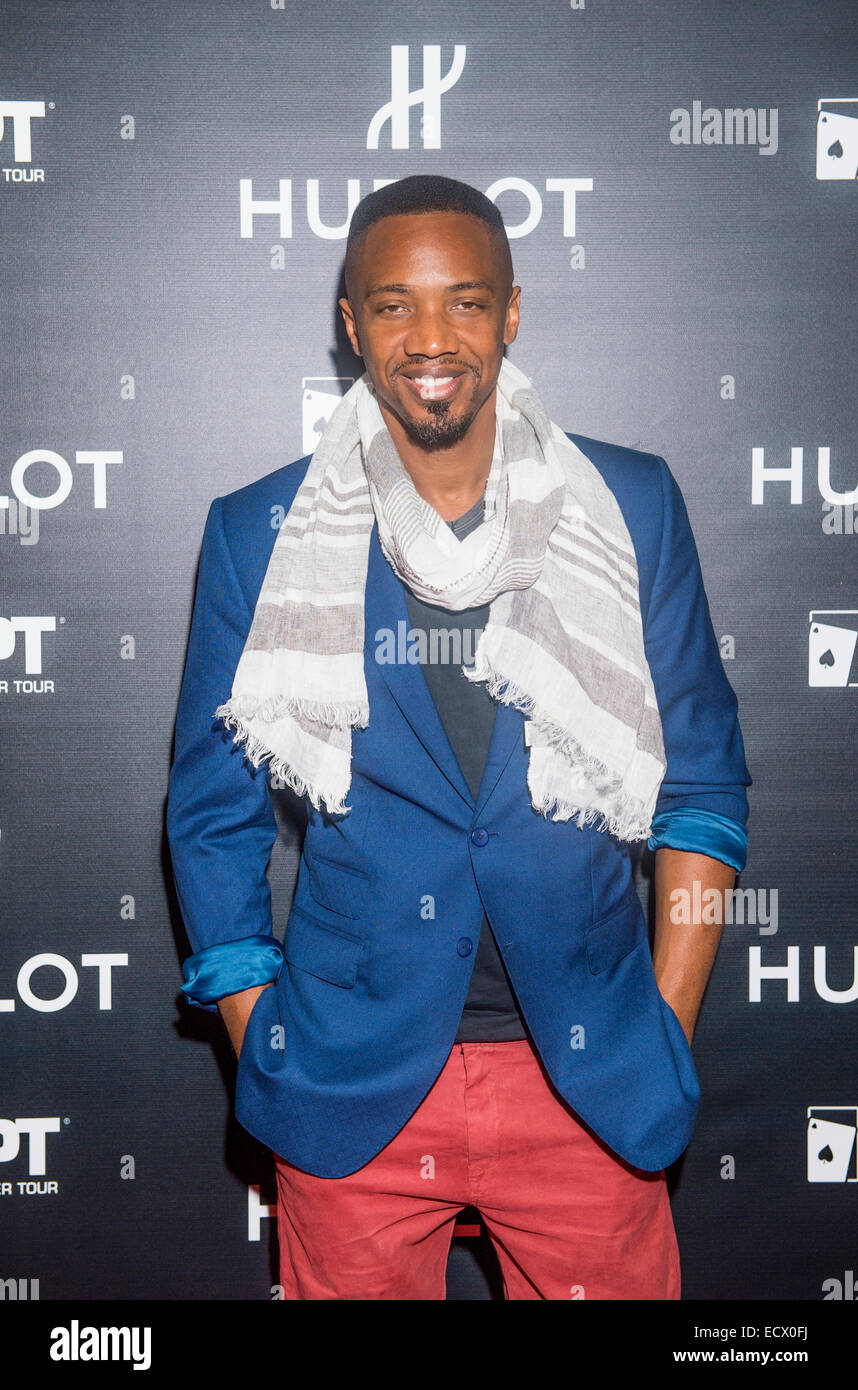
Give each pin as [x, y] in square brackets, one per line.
[507, 735]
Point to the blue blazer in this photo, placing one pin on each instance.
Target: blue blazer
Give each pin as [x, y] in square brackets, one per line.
[381, 938]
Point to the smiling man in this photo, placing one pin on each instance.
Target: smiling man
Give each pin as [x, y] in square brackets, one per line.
[464, 1009]
[433, 348]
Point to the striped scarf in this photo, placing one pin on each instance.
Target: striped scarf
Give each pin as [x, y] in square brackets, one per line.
[563, 641]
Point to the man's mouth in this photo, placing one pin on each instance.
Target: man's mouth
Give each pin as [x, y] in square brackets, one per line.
[434, 386]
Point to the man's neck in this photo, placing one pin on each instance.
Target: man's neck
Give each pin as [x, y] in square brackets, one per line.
[450, 480]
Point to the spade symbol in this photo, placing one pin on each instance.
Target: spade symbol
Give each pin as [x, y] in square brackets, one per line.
[835, 150]
[319, 427]
[825, 1155]
[827, 658]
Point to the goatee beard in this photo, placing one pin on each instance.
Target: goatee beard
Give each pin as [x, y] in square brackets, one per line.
[441, 432]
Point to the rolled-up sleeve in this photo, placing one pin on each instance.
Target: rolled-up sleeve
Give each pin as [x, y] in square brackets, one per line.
[702, 804]
[220, 822]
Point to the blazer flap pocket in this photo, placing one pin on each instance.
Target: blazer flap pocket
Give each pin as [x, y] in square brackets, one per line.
[314, 946]
[614, 936]
[337, 886]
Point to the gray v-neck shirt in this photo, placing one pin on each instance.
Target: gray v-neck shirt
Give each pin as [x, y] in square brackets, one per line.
[467, 713]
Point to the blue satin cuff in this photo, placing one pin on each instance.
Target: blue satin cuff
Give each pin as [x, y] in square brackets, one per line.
[229, 967]
[701, 832]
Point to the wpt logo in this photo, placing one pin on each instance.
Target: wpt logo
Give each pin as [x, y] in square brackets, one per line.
[32, 628]
[831, 647]
[397, 110]
[831, 1149]
[836, 138]
[319, 400]
[20, 113]
[35, 1132]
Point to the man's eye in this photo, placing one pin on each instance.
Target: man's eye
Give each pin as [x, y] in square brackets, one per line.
[468, 304]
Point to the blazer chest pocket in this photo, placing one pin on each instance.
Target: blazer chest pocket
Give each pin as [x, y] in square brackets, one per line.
[319, 949]
[614, 936]
[337, 886]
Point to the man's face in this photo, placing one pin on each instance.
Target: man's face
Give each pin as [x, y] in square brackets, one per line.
[431, 309]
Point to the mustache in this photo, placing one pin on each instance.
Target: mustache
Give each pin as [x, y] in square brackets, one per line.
[433, 362]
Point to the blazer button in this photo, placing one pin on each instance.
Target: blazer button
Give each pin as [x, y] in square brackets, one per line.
[464, 946]
[480, 836]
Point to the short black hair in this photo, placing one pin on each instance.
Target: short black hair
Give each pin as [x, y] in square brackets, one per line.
[424, 193]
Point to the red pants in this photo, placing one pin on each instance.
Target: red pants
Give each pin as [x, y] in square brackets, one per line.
[568, 1219]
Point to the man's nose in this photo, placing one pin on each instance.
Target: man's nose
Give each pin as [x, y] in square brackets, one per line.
[431, 333]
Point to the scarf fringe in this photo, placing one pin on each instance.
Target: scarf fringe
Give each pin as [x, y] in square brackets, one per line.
[257, 751]
[619, 820]
[273, 707]
[620, 814]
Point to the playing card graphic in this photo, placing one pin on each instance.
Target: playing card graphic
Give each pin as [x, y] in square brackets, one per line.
[831, 646]
[831, 1149]
[321, 396]
[837, 138]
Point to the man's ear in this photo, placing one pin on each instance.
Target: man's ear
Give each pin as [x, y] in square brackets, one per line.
[351, 325]
[512, 315]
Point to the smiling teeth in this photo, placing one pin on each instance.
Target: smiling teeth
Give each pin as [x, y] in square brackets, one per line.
[432, 380]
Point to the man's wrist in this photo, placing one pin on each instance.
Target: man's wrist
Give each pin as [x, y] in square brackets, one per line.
[235, 1010]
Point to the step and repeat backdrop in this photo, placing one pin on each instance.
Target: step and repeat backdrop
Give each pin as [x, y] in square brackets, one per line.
[176, 180]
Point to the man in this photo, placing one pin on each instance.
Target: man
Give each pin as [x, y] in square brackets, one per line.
[464, 1009]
